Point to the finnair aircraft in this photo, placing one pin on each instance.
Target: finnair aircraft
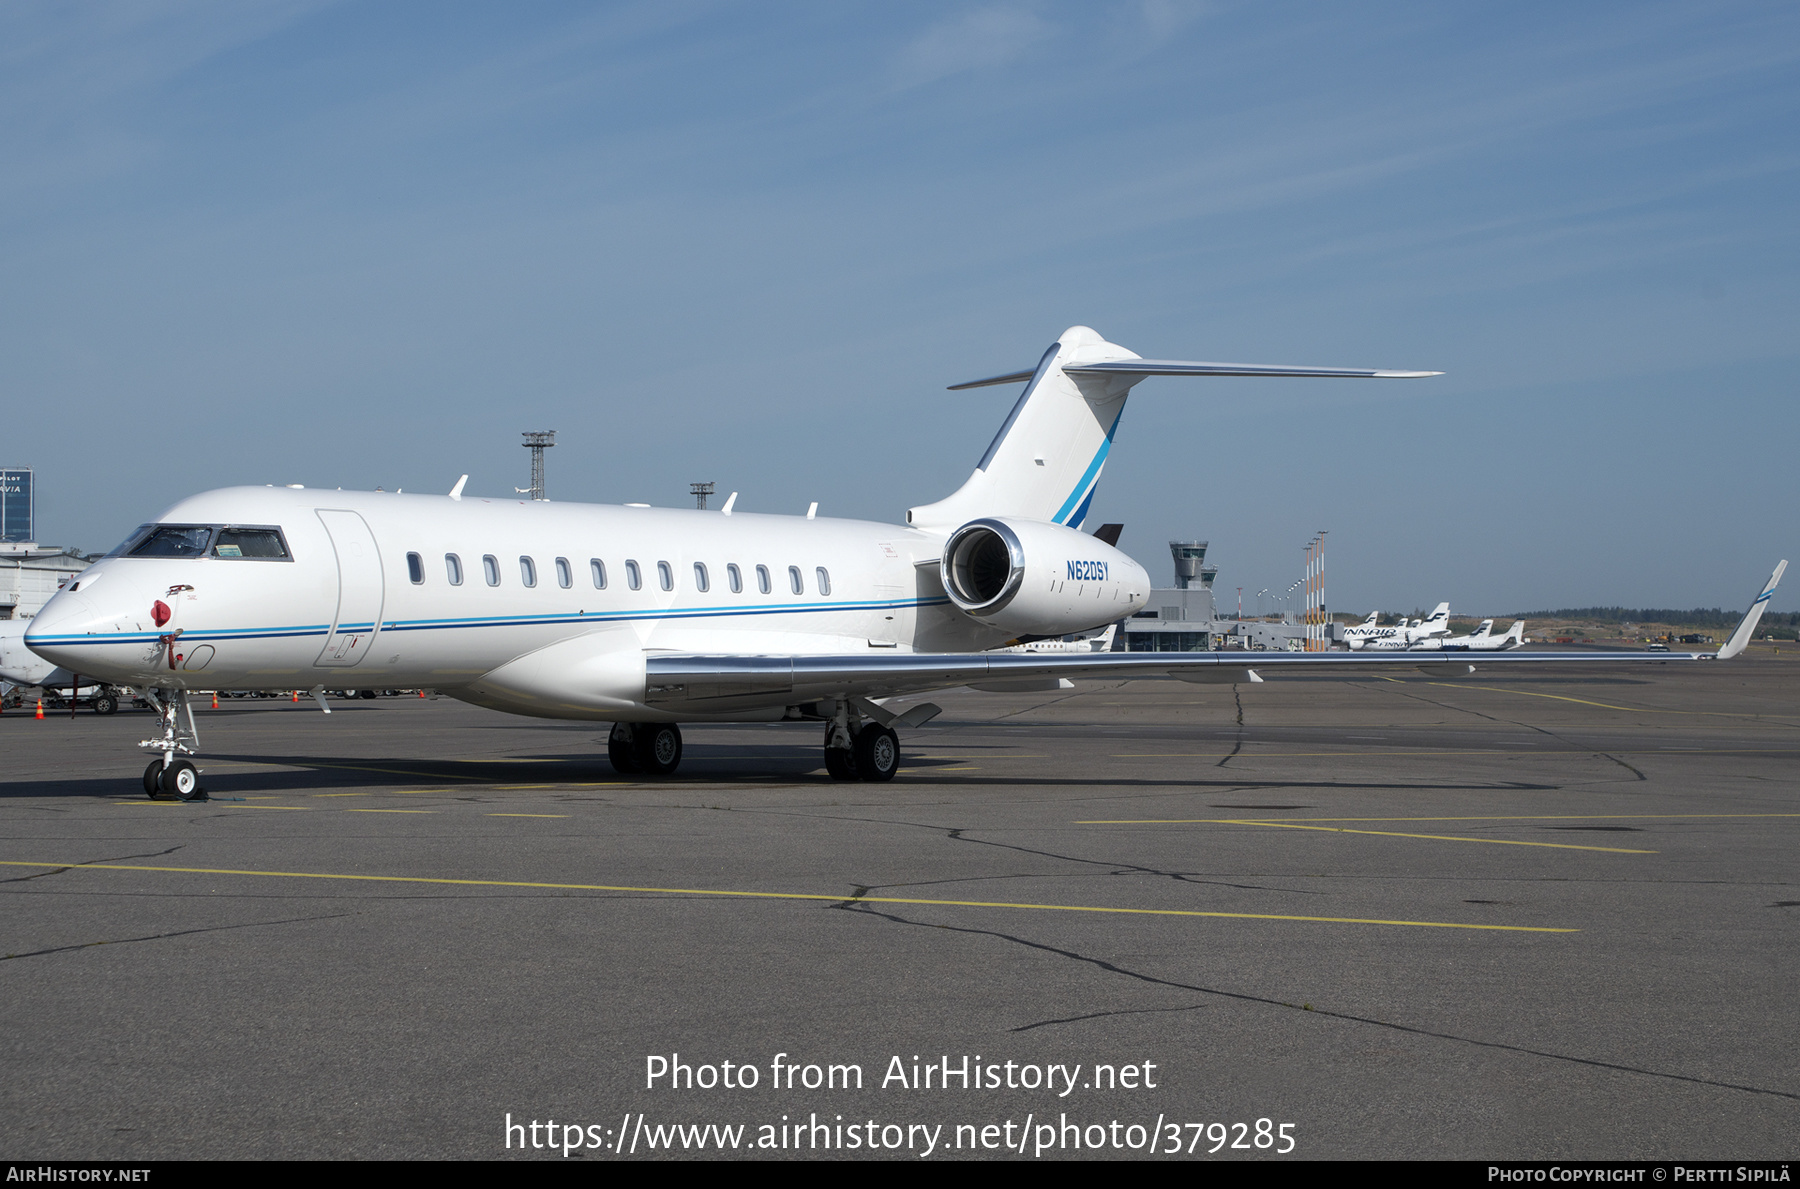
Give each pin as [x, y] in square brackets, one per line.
[1403, 635]
[1482, 639]
[650, 617]
[1370, 630]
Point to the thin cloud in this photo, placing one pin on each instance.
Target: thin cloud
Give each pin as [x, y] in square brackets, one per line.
[979, 40]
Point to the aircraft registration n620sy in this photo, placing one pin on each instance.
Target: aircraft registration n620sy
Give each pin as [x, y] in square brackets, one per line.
[650, 617]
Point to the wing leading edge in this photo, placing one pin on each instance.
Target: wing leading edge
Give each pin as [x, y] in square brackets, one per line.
[715, 684]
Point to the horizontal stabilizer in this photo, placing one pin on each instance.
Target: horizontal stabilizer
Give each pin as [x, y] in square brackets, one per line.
[1008, 378]
[1178, 367]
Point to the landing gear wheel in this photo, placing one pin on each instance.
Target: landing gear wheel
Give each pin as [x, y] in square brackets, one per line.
[840, 763]
[153, 780]
[105, 704]
[658, 749]
[621, 750]
[182, 779]
[877, 753]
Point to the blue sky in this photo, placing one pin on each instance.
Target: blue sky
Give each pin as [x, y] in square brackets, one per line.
[364, 245]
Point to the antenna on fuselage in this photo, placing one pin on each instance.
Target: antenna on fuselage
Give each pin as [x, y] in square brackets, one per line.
[537, 442]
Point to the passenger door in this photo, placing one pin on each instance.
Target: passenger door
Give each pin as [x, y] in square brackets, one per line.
[361, 589]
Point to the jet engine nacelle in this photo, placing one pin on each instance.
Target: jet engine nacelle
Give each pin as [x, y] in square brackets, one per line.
[1030, 578]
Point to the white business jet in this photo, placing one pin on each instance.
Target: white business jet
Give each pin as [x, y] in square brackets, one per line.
[34, 677]
[650, 617]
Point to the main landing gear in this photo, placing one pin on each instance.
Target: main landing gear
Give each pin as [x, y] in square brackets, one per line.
[652, 748]
[167, 776]
[857, 749]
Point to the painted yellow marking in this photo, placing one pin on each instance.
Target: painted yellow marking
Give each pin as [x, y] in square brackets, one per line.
[390, 811]
[1524, 817]
[1617, 850]
[1211, 755]
[296, 808]
[527, 815]
[148, 801]
[837, 898]
[1603, 705]
[341, 794]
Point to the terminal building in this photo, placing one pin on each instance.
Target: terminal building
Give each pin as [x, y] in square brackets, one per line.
[29, 573]
[1185, 618]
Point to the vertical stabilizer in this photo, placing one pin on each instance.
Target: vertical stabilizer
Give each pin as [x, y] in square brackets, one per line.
[1046, 460]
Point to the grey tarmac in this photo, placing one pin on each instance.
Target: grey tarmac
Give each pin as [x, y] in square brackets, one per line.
[1501, 917]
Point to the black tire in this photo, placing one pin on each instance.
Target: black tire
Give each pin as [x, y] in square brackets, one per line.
[368, 695]
[658, 749]
[877, 753]
[153, 780]
[181, 779]
[621, 750]
[840, 764]
[106, 704]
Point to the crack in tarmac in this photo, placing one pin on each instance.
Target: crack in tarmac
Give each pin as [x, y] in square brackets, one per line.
[85, 945]
[155, 854]
[1113, 968]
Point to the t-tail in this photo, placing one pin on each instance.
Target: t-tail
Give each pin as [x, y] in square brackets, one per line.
[1045, 462]
[1746, 627]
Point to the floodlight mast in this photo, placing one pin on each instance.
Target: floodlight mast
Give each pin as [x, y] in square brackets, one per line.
[537, 442]
[700, 492]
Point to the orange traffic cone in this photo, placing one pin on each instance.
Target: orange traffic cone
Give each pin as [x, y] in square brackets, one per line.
[215, 699]
[40, 712]
[421, 693]
[296, 695]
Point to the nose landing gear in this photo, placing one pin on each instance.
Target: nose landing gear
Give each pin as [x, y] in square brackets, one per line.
[166, 775]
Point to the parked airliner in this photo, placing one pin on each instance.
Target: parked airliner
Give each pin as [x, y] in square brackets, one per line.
[1402, 635]
[650, 617]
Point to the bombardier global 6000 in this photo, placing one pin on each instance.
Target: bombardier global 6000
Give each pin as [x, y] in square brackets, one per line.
[646, 618]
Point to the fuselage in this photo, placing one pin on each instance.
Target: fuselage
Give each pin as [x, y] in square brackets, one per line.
[288, 588]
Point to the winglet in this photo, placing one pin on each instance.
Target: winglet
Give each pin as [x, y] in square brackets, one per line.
[456, 492]
[1747, 626]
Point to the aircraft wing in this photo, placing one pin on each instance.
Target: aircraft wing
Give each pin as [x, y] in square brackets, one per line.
[721, 684]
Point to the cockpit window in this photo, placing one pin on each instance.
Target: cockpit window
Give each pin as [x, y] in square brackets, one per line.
[205, 540]
[249, 542]
[175, 540]
[129, 543]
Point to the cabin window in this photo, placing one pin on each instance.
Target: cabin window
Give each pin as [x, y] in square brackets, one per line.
[735, 577]
[453, 568]
[633, 577]
[762, 579]
[824, 580]
[701, 582]
[491, 564]
[565, 577]
[597, 569]
[794, 580]
[527, 571]
[665, 574]
[415, 568]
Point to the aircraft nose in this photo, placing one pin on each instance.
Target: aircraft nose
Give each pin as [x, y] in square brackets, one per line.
[64, 618]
